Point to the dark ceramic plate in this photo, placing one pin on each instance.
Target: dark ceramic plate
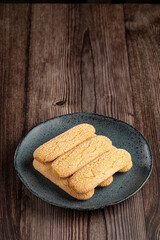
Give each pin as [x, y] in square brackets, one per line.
[122, 135]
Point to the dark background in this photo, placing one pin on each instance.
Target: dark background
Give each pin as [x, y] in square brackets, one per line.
[58, 59]
[80, 1]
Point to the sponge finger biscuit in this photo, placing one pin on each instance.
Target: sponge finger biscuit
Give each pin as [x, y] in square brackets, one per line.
[109, 180]
[76, 158]
[127, 168]
[63, 143]
[88, 177]
[106, 182]
[45, 170]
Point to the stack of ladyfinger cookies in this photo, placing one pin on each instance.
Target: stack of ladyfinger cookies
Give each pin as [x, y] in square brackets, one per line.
[78, 160]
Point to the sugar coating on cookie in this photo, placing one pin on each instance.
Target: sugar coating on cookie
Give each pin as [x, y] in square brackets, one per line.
[109, 180]
[106, 182]
[64, 142]
[81, 155]
[45, 170]
[127, 168]
[98, 170]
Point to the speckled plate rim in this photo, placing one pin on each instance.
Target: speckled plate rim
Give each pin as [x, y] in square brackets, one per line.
[77, 208]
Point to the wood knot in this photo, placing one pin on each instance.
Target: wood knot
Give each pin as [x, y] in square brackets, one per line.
[60, 103]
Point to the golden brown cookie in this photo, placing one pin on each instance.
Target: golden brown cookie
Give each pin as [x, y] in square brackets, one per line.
[106, 182]
[91, 175]
[127, 168]
[64, 142]
[109, 180]
[76, 158]
[45, 170]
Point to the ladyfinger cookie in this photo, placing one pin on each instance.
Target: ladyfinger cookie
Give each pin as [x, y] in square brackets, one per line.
[127, 168]
[63, 143]
[45, 170]
[106, 182]
[88, 177]
[109, 180]
[76, 158]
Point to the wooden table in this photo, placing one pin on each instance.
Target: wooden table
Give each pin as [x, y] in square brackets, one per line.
[58, 59]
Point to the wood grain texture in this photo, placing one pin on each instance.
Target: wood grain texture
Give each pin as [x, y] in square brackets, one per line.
[57, 59]
[143, 41]
[13, 60]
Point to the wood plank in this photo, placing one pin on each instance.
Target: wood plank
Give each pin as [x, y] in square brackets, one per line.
[114, 98]
[143, 38]
[52, 91]
[13, 62]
